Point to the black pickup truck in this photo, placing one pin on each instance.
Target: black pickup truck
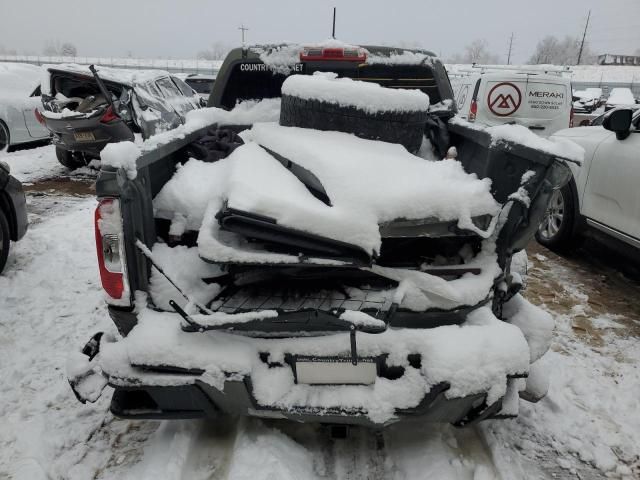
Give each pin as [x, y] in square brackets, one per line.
[340, 342]
[13, 212]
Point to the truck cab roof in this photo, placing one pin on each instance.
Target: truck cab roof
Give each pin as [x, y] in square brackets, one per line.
[257, 72]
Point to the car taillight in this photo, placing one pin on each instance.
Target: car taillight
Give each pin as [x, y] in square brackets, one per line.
[39, 116]
[473, 110]
[310, 54]
[110, 251]
[109, 115]
[571, 114]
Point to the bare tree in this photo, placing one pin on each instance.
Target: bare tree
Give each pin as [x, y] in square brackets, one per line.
[551, 50]
[476, 52]
[69, 50]
[52, 48]
[217, 51]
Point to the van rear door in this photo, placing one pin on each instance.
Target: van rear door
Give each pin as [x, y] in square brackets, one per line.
[541, 104]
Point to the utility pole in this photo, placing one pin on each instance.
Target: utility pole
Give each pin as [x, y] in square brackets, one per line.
[510, 45]
[243, 29]
[584, 35]
[333, 32]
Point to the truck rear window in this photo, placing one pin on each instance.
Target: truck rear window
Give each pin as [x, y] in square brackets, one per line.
[253, 84]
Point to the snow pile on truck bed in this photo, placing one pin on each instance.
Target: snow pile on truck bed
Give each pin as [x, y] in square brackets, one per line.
[366, 96]
[475, 357]
[125, 154]
[520, 134]
[368, 183]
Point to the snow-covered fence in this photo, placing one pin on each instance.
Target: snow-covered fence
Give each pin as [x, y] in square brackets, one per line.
[171, 65]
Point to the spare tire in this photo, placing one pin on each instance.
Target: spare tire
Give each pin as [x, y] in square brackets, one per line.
[405, 128]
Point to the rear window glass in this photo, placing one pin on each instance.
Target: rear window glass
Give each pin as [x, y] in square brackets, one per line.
[167, 88]
[244, 84]
[200, 85]
[186, 90]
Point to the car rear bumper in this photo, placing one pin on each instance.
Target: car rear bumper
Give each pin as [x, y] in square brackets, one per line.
[64, 131]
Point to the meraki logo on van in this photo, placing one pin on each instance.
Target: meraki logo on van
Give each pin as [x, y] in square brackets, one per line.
[546, 94]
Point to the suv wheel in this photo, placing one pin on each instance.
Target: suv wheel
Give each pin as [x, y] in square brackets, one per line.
[4, 137]
[71, 160]
[405, 128]
[556, 229]
[4, 240]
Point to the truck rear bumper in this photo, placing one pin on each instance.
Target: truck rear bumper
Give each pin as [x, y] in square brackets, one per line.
[202, 400]
[427, 373]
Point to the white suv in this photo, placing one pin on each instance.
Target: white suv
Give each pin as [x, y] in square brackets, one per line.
[603, 193]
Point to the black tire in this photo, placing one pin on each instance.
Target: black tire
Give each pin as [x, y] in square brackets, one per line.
[71, 160]
[559, 235]
[5, 240]
[5, 137]
[405, 128]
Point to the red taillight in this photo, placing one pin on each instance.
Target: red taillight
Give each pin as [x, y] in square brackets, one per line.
[109, 115]
[473, 110]
[310, 54]
[108, 228]
[39, 116]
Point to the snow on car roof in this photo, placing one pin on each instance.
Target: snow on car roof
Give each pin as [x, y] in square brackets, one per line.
[365, 96]
[621, 96]
[117, 75]
[18, 79]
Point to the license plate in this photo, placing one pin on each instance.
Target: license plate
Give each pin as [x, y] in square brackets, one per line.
[336, 371]
[84, 136]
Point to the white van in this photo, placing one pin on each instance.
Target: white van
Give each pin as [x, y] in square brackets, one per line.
[539, 101]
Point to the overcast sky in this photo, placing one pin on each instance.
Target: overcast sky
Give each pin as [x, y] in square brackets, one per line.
[179, 29]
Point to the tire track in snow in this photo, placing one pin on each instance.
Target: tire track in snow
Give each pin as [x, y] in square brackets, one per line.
[256, 449]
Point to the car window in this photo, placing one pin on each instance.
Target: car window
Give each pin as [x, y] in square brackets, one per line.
[167, 88]
[149, 95]
[200, 85]
[37, 92]
[186, 90]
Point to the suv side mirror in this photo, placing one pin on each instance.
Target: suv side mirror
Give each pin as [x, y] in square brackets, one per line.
[619, 121]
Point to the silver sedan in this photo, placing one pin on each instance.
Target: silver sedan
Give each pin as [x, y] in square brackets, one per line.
[18, 102]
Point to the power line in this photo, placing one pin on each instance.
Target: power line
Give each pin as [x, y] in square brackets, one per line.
[584, 35]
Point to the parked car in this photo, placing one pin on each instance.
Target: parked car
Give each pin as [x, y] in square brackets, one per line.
[619, 97]
[585, 101]
[13, 212]
[201, 83]
[597, 93]
[85, 110]
[19, 98]
[539, 101]
[283, 312]
[603, 194]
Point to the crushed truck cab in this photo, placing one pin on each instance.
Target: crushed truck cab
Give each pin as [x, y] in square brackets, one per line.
[292, 252]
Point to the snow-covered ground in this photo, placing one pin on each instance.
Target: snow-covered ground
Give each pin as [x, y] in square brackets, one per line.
[51, 303]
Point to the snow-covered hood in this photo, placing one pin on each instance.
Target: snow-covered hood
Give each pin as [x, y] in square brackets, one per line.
[579, 134]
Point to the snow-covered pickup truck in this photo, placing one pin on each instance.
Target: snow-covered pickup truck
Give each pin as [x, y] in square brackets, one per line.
[297, 250]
